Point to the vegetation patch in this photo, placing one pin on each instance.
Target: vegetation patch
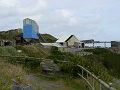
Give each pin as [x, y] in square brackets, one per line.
[49, 38]
[33, 51]
[108, 59]
[103, 63]
[9, 50]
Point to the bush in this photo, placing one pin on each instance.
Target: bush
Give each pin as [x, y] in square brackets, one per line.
[94, 63]
[33, 51]
[71, 66]
[8, 50]
[108, 60]
[32, 63]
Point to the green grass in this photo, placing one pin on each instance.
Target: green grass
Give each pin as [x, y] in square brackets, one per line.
[101, 63]
[9, 72]
[109, 60]
[9, 50]
[8, 35]
[33, 51]
[65, 83]
[49, 38]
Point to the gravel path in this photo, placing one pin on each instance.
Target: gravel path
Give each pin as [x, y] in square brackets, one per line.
[44, 84]
[118, 81]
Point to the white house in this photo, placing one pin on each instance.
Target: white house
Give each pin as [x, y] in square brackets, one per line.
[70, 41]
[66, 44]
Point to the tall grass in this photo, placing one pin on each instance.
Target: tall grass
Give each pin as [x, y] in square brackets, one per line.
[33, 51]
[10, 73]
[108, 59]
[9, 50]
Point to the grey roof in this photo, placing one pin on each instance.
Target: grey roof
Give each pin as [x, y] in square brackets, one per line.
[63, 39]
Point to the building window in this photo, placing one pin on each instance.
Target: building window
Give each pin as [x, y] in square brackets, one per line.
[61, 44]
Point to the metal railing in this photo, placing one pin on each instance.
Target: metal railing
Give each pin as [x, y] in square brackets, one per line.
[85, 77]
[92, 85]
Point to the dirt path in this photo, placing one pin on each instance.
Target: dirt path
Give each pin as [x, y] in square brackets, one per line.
[46, 85]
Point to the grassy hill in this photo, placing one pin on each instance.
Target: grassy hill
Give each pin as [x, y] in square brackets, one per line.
[102, 63]
[12, 33]
[10, 71]
[49, 38]
[109, 59]
[33, 51]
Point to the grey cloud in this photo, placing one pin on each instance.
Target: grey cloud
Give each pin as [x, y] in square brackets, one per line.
[85, 19]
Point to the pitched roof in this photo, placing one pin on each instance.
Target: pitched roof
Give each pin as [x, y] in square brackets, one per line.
[64, 38]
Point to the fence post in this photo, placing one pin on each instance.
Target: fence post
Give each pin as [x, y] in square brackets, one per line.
[92, 82]
[87, 76]
[100, 86]
[96, 78]
[82, 72]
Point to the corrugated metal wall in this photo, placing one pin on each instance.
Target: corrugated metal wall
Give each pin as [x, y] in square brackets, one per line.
[30, 29]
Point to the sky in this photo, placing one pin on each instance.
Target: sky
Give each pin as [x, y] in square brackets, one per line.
[86, 19]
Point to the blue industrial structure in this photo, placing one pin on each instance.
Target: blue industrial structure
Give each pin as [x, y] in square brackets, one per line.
[30, 29]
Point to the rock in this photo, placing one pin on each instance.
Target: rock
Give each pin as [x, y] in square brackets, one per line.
[28, 88]
[118, 81]
[18, 87]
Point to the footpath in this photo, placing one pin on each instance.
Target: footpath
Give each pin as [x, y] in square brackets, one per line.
[46, 85]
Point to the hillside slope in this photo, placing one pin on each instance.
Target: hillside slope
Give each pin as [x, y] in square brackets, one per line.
[109, 59]
[33, 51]
[49, 38]
[10, 34]
[10, 72]
[14, 71]
[29, 50]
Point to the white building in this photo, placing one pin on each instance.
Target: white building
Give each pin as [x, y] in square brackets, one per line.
[70, 41]
[66, 44]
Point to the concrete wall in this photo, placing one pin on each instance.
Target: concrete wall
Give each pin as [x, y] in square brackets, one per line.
[115, 44]
[63, 49]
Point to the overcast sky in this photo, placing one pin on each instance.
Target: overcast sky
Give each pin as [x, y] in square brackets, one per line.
[86, 19]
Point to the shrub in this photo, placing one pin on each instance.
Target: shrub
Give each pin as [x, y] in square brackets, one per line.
[33, 51]
[32, 63]
[94, 63]
[108, 60]
[8, 50]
